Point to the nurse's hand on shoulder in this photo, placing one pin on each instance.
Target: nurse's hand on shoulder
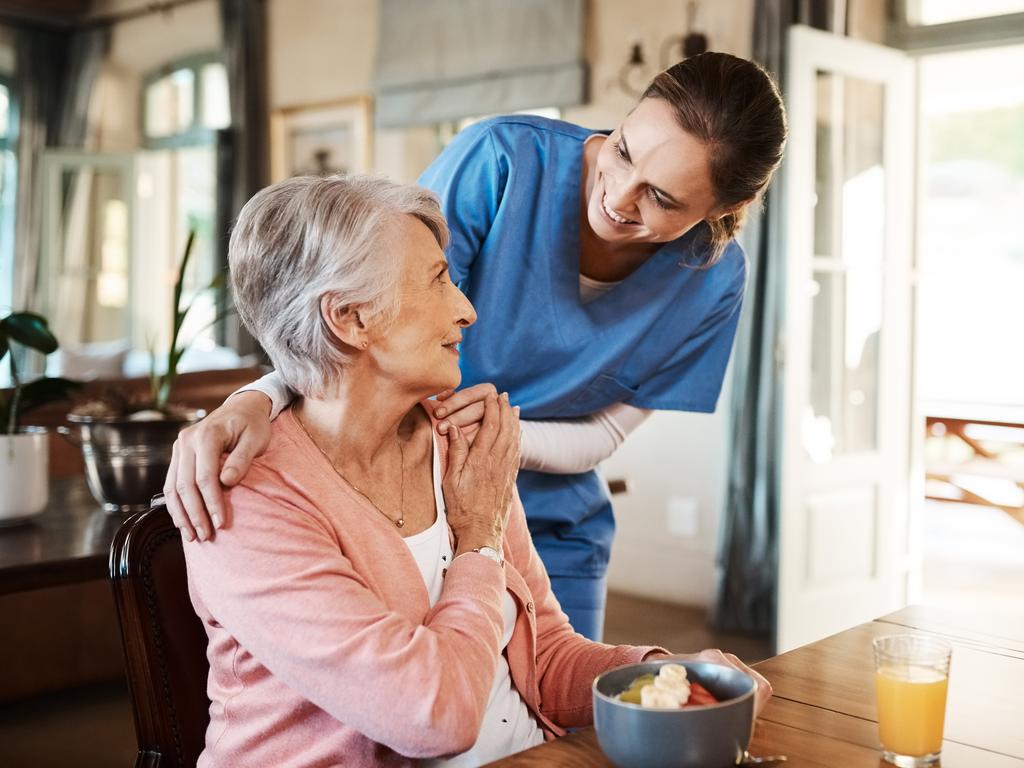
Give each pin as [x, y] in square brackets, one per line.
[715, 656]
[192, 490]
[465, 408]
[479, 482]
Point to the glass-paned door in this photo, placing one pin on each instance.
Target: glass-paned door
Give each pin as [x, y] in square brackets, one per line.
[845, 519]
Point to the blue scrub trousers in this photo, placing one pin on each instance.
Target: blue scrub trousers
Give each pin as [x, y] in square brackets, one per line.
[583, 599]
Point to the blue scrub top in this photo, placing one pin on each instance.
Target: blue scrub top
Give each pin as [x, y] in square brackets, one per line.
[510, 190]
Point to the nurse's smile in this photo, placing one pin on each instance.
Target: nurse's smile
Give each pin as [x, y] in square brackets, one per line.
[614, 215]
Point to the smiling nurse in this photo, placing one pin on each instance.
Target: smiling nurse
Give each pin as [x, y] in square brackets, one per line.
[607, 283]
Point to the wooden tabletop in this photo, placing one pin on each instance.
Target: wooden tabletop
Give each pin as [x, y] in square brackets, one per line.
[823, 712]
[69, 542]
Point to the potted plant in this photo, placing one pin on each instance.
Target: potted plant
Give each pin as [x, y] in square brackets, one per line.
[127, 441]
[24, 451]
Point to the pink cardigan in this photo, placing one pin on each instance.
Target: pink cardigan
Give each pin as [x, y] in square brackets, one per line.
[324, 649]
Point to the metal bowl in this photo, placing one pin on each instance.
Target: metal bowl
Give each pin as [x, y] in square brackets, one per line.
[714, 736]
[126, 461]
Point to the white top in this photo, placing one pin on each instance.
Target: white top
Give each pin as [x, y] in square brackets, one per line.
[507, 726]
[555, 446]
[591, 289]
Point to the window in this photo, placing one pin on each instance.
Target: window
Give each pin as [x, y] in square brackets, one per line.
[926, 12]
[183, 105]
[8, 189]
[971, 248]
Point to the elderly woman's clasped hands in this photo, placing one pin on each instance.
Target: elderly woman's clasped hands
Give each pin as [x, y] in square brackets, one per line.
[480, 481]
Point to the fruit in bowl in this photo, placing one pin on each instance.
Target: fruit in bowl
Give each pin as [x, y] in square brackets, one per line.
[671, 688]
[708, 728]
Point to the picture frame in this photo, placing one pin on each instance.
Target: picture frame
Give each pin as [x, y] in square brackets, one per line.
[322, 138]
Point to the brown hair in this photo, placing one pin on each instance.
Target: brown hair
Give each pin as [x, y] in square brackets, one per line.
[734, 107]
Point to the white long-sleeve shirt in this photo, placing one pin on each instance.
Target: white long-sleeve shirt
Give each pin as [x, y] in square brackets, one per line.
[555, 446]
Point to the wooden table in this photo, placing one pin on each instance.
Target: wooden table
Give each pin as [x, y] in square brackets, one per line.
[823, 712]
[990, 457]
[59, 623]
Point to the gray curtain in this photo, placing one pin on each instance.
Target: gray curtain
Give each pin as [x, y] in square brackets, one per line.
[55, 72]
[242, 149]
[747, 555]
[440, 60]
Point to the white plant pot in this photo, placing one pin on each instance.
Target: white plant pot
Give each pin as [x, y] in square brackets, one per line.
[24, 474]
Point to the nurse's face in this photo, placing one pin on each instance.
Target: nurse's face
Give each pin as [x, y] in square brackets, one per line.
[652, 180]
[418, 350]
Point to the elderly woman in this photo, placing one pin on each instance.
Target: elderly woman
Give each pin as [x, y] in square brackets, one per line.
[376, 597]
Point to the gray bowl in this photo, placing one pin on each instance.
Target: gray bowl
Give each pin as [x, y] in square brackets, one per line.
[714, 736]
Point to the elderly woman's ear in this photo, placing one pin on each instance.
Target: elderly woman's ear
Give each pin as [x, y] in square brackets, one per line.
[344, 322]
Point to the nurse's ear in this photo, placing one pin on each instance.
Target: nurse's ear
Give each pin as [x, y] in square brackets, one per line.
[343, 322]
[720, 212]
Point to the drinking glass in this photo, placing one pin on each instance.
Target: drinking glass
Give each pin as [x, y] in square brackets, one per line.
[911, 678]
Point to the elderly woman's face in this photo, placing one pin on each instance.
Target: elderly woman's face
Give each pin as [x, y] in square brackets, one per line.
[419, 349]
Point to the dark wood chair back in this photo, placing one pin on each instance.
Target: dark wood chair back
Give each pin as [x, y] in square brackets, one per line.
[164, 641]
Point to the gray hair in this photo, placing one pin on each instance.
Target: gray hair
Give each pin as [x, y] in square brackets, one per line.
[309, 237]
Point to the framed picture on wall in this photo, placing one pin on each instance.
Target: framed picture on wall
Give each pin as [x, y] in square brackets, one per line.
[325, 138]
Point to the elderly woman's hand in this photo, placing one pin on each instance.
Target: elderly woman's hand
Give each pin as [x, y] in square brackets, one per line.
[465, 408]
[480, 480]
[192, 490]
[715, 656]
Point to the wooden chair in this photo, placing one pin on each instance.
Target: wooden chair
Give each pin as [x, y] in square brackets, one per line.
[164, 641]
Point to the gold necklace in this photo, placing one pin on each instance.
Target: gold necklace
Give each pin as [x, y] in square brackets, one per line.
[400, 522]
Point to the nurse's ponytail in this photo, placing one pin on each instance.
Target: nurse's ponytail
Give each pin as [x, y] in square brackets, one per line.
[734, 107]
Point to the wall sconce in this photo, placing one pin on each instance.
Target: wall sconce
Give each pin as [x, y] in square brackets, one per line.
[635, 73]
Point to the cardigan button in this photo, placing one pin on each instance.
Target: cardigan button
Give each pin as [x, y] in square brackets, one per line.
[529, 607]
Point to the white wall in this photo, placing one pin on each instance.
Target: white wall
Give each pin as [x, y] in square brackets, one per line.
[320, 50]
[614, 25]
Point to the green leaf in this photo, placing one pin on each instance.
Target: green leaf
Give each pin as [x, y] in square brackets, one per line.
[31, 330]
[219, 280]
[46, 390]
[177, 318]
[179, 283]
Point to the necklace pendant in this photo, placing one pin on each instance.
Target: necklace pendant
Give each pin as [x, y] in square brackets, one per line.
[400, 522]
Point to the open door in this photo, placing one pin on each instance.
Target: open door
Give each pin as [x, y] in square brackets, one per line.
[845, 527]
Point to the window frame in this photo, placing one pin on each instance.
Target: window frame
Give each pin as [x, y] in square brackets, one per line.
[8, 214]
[983, 32]
[196, 134]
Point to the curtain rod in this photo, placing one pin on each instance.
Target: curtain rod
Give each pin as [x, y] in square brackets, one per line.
[148, 9]
[31, 21]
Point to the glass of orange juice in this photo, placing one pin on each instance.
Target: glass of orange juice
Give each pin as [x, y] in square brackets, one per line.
[911, 677]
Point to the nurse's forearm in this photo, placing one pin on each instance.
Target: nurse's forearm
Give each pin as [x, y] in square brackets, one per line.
[570, 446]
[273, 386]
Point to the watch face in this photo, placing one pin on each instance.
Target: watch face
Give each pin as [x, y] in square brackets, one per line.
[490, 552]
